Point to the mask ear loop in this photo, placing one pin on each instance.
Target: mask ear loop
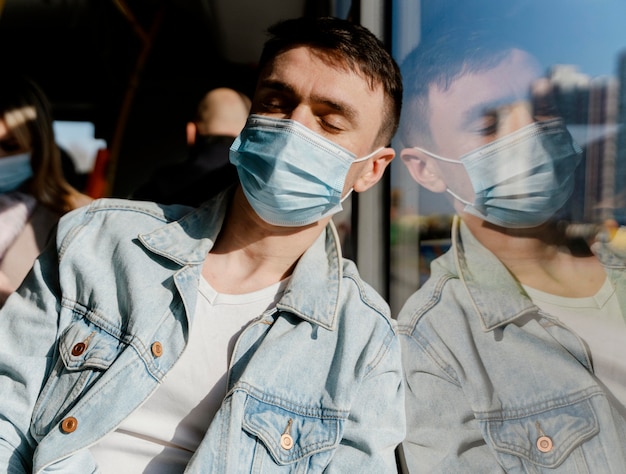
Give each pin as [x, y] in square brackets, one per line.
[447, 160]
[457, 197]
[346, 196]
[358, 160]
[437, 157]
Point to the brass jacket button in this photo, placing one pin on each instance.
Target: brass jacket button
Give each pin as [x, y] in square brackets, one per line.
[157, 349]
[286, 442]
[79, 348]
[69, 425]
[544, 444]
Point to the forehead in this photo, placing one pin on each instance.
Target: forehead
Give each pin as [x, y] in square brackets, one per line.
[472, 94]
[314, 76]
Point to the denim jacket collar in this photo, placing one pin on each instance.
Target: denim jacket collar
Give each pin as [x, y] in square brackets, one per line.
[488, 282]
[188, 240]
[490, 285]
[319, 271]
[314, 290]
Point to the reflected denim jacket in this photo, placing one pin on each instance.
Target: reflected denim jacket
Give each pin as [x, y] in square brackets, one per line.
[493, 384]
[105, 313]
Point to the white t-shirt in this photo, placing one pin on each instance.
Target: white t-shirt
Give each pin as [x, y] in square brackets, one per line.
[162, 434]
[599, 322]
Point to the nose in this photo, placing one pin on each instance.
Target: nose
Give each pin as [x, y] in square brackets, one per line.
[518, 115]
[303, 115]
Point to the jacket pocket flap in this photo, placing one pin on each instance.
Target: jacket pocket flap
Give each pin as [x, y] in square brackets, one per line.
[308, 430]
[547, 437]
[84, 345]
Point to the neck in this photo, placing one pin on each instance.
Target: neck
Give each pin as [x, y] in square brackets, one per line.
[542, 257]
[509, 243]
[250, 254]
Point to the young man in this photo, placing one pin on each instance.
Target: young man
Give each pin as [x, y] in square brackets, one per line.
[231, 338]
[509, 349]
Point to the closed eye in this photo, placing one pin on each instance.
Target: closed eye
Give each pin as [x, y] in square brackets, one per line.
[331, 124]
[274, 105]
[488, 125]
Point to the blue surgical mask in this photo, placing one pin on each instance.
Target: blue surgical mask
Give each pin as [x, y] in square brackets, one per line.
[290, 175]
[14, 171]
[523, 179]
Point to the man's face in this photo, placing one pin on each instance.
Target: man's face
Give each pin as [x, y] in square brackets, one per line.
[481, 107]
[333, 102]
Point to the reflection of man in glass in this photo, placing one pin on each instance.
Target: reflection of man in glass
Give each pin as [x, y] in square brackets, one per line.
[513, 350]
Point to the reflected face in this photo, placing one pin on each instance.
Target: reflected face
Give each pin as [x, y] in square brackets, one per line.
[9, 146]
[334, 102]
[481, 107]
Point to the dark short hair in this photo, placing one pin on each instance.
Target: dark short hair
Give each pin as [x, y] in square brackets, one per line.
[439, 60]
[343, 42]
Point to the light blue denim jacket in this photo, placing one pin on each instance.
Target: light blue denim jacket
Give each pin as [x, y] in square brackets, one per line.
[488, 375]
[124, 275]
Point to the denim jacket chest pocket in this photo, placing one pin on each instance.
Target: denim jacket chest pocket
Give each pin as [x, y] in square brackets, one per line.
[84, 352]
[297, 439]
[546, 439]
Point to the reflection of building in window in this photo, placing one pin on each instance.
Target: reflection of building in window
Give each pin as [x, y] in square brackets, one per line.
[600, 166]
[590, 107]
[620, 171]
[571, 89]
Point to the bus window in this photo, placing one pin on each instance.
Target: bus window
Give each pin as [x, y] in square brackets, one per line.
[508, 271]
[569, 70]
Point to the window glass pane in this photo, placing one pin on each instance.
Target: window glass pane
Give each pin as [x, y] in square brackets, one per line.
[545, 81]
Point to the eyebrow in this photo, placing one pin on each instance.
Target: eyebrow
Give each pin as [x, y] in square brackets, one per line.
[479, 110]
[341, 107]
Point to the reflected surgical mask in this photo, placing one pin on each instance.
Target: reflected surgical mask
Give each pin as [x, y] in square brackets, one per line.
[14, 171]
[523, 179]
[290, 175]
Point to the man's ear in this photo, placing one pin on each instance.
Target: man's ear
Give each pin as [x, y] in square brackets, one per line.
[191, 133]
[423, 170]
[374, 170]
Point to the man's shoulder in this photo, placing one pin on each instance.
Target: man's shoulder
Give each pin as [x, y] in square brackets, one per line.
[116, 220]
[434, 297]
[112, 211]
[149, 209]
[364, 296]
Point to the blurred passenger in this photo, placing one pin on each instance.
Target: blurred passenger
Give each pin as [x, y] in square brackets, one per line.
[220, 116]
[230, 338]
[33, 191]
[513, 349]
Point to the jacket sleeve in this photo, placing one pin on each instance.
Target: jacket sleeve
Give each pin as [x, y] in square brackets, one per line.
[376, 424]
[29, 328]
[442, 432]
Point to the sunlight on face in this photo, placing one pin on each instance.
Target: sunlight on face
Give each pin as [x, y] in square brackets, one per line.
[10, 142]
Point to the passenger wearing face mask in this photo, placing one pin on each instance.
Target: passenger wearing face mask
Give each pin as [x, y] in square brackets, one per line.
[219, 117]
[232, 337]
[510, 349]
[33, 191]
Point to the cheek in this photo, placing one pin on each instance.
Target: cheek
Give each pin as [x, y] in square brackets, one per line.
[457, 180]
[353, 175]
